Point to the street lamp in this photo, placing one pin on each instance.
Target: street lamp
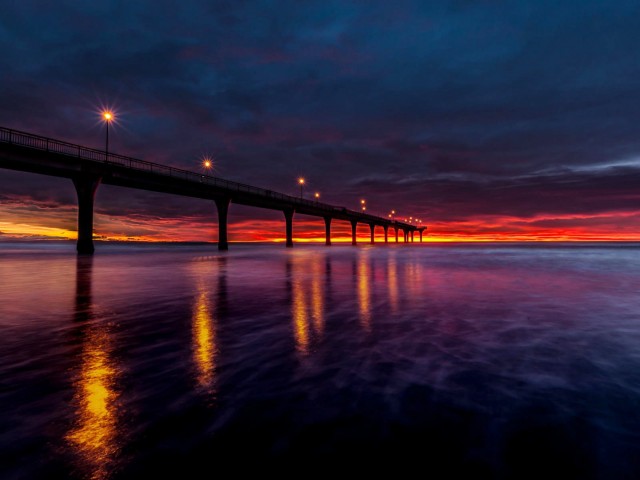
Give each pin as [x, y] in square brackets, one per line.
[108, 117]
[392, 215]
[301, 183]
[363, 203]
[207, 163]
[317, 196]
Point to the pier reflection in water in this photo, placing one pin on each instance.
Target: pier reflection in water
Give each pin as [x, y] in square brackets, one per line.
[488, 361]
[94, 436]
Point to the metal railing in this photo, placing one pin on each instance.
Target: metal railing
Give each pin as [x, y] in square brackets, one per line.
[24, 139]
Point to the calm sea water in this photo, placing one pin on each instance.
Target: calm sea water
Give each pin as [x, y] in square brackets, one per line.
[496, 361]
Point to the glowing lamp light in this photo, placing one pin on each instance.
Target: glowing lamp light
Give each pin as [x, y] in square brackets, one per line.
[301, 181]
[363, 201]
[108, 117]
[317, 195]
[207, 163]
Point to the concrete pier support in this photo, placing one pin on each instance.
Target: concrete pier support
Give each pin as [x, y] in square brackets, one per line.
[396, 229]
[373, 231]
[327, 231]
[412, 232]
[354, 225]
[420, 235]
[386, 232]
[288, 215]
[86, 186]
[222, 204]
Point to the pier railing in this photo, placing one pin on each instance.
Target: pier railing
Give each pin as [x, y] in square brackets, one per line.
[24, 139]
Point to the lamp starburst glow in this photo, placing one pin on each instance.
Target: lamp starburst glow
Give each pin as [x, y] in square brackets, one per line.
[108, 117]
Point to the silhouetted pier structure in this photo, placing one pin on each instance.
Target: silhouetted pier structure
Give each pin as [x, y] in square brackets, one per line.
[89, 167]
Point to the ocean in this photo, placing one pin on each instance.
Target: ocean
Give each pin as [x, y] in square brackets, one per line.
[166, 361]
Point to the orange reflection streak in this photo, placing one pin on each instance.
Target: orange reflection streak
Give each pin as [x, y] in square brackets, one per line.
[205, 348]
[307, 301]
[95, 435]
[392, 281]
[300, 319]
[317, 300]
[364, 293]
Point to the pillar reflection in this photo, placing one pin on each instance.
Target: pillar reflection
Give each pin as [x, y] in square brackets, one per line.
[94, 435]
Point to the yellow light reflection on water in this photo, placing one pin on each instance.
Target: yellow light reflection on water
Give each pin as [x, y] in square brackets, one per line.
[205, 348]
[95, 434]
[300, 317]
[392, 281]
[317, 298]
[364, 293]
[307, 301]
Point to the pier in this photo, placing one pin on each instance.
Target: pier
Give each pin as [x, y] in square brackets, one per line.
[88, 168]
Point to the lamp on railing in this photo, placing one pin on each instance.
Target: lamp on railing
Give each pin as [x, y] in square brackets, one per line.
[301, 183]
[108, 117]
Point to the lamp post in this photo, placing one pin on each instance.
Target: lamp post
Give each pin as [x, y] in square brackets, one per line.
[108, 117]
[317, 196]
[363, 204]
[301, 183]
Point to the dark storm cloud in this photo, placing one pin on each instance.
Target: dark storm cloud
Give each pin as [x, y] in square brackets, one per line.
[450, 109]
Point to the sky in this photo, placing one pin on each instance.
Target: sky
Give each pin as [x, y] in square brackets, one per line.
[488, 120]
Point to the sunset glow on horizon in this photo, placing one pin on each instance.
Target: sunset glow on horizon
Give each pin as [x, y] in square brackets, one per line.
[308, 230]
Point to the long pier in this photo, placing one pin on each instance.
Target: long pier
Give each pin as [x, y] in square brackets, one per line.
[89, 167]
